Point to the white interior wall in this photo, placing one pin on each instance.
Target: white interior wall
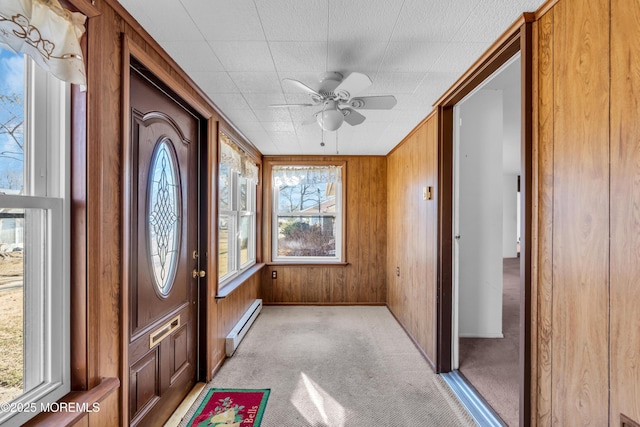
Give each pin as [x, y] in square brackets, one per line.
[480, 211]
[510, 216]
[511, 165]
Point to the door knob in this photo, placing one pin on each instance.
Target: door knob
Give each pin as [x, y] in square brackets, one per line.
[198, 273]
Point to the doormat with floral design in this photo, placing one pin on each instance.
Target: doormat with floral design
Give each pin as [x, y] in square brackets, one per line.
[231, 407]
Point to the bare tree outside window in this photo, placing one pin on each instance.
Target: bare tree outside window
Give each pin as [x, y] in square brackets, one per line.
[306, 217]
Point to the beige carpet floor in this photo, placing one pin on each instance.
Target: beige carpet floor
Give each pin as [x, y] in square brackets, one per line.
[491, 365]
[338, 366]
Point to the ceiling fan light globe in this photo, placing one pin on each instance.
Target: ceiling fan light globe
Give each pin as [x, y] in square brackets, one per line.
[330, 120]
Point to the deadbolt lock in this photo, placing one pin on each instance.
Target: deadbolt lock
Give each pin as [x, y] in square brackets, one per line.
[198, 273]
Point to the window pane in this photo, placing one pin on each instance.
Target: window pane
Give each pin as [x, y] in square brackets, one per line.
[307, 196]
[163, 214]
[306, 236]
[223, 245]
[11, 122]
[224, 187]
[11, 304]
[243, 194]
[245, 228]
[22, 288]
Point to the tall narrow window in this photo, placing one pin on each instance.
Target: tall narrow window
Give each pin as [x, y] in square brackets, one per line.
[34, 238]
[237, 181]
[307, 213]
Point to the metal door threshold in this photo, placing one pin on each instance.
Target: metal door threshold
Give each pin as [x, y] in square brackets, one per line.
[481, 412]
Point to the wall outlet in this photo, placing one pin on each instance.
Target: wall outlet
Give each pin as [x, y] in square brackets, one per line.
[274, 274]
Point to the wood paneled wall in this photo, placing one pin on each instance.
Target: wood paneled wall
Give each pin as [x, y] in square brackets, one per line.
[587, 340]
[625, 211]
[363, 279]
[98, 353]
[411, 227]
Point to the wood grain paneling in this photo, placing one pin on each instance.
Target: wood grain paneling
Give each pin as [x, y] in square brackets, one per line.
[544, 177]
[625, 211]
[411, 227]
[362, 280]
[580, 213]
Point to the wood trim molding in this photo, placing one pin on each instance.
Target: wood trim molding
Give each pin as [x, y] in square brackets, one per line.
[131, 50]
[517, 38]
[414, 130]
[240, 141]
[131, 21]
[84, 7]
[504, 47]
[546, 7]
[268, 163]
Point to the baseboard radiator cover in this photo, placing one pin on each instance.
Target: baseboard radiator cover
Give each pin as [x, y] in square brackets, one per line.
[240, 329]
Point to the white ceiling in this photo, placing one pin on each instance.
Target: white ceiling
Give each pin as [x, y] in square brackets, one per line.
[238, 52]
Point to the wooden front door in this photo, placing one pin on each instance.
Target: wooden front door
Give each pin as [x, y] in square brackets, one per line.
[164, 239]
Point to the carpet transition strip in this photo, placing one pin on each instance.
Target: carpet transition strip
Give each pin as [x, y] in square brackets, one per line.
[482, 413]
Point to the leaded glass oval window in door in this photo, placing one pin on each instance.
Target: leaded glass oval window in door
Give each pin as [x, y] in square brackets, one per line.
[163, 214]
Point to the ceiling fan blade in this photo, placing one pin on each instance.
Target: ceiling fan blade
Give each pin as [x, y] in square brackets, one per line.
[384, 102]
[352, 116]
[352, 85]
[289, 105]
[299, 85]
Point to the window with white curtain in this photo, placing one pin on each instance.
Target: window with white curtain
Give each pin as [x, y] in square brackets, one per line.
[237, 182]
[307, 213]
[34, 238]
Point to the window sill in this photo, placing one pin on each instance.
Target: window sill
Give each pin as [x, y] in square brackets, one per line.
[308, 264]
[79, 399]
[238, 281]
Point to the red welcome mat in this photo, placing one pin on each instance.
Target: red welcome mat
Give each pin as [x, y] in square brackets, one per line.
[231, 407]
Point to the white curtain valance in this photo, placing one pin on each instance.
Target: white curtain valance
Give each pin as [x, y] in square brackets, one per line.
[47, 33]
[295, 175]
[237, 160]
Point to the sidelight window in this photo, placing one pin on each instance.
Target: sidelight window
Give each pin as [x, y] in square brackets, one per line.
[34, 237]
[237, 181]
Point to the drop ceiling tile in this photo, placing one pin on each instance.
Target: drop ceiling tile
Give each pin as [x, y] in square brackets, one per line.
[280, 127]
[379, 116]
[225, 20]
[244, 119]
[412, 56]
[491, 18]
[294, 20]
[311, 79]
[273, 115]
[214, 82]
[174, 23]
[244, 55]
[347, 56]
[360, 20]
[387, 83]
[431, 21]
[263, 101]
[230, 101]
[193, 55]
[299, 56]
[256, 82]
[459, 57]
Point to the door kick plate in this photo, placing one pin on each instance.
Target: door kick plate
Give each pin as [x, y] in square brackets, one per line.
[164, 331]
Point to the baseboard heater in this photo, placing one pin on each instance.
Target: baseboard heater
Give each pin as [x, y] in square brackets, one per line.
[241, 328]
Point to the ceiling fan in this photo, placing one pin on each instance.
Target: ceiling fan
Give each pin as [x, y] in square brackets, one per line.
[337, 98]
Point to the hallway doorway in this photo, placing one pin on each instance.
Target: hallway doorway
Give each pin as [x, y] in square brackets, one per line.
[477, 311]
[486, 294]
